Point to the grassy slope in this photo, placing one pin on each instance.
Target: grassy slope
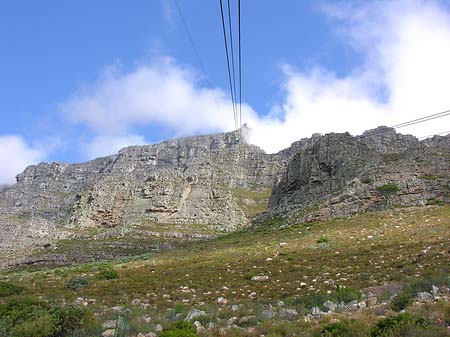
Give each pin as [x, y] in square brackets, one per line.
[363, 251]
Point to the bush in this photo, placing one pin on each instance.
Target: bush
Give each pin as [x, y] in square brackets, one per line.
[428, 177]
[9, 289]
[343, 329]
[179, 329]
[348, 294]
[323, 239]
[311, 300]
[29, 317]
[388, 189]
[398, 325]
[77, 283]
[401, 301]
[107, 272]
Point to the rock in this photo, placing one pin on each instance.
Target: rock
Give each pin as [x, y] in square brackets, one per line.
[280, 304]
[180, 181]
[158, 328]
[117, 309]
[194, 313]
[315, 311]
[232, 321]
[150, 334]
[330, 306]
[247, 319]
[136, 302]
[435, 291]
[211, 325]
[260, 278]
[268, 313]
[109, 333]
[234, 307]
[371, 301]
[308, 318]
[147, 319]
[198, 326]
[424, 297]
[110, 324]
[79, 301]
[361, 305]
[352, 305]
[289, 314]
[331, 176]
[222, 301]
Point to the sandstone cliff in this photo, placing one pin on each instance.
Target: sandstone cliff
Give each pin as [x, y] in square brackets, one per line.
[198, 187]
[216, 180]
[337, 175]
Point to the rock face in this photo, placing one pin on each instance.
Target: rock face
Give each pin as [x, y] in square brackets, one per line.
[200, 180]
[337, 175]
[218, 183]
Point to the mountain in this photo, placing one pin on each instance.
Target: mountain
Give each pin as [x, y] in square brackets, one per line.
[199, 187]
[214, 183]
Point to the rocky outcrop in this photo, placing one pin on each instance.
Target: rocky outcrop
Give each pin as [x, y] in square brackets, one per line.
[197, 187]
[184, 181]
[337, 175]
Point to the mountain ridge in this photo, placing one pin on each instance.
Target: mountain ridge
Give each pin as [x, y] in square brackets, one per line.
[201, 186]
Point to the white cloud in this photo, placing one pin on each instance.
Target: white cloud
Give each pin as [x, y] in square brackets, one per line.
[15, 156]
[404, 75]
[104, 145]
[161, 93]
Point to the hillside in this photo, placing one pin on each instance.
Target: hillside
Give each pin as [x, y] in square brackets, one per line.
[302, 265]
[154, 197]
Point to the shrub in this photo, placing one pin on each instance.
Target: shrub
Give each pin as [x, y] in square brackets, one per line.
[9, 289]
[398, 325]
[343, 329]
[428, 177]
[107, 272]
[29, 317]
[323, 239]
[388, 189]
[77, 283]
[179, 329]
[348, 294]
[311, 300]
[437, 202]
[401, 301]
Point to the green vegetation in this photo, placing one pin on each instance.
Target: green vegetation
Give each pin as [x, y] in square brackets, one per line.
[252, 202]
[388, 189]
[401, 247]
[77, 283]
[436, 202]
[398, 325]
[428, 177]
[393, 157]
[29, 317]
[8, 289]
[347, 328]
[323, 239]
[179, 329]
[401, 301]
[107, 272]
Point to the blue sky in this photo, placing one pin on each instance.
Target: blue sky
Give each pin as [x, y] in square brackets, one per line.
[80, 79]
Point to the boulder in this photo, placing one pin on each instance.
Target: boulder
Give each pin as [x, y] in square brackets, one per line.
[424, 297]
[330, 306]
[268, 313]
[194, 313]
